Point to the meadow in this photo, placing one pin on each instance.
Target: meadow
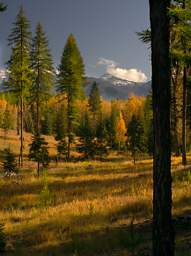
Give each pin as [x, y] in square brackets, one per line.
[88, 208]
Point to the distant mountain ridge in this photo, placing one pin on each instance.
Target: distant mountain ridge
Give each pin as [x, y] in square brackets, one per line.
[114, 88]
[110, 87]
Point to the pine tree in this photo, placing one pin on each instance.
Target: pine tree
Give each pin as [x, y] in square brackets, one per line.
[163, 233]
[62, 149]
[19, 67]
[47, 123]
[60, 123]
[39, 152]
[43, 73]
[94, 99]
[135, 136]
[101, 139]
[95, 104]
[70, 81]
[9, 162]
[111, 126]
[87, 145]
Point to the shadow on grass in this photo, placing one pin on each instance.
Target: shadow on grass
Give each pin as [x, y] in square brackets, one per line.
[87, 235]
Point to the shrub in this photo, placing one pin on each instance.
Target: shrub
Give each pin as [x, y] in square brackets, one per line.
[9, 162]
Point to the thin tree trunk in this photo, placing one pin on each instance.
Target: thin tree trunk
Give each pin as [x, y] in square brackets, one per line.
[175, 110]
[21, 133]
[21, 105]
[18, 114]
[69, 144]
[184, 96]
[69, 128]
[37, 100]
[134, 157]
[163, 233]
[38, 169]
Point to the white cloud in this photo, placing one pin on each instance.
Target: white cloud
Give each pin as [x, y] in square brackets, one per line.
[113, 69]
[109, 63]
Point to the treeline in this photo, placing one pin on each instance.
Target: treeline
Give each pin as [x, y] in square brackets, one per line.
[101, 126]
[40, 100]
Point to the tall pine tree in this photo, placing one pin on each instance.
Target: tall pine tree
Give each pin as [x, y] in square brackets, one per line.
[135, 136]
[43, 73]
[19, 67]
[94, 99]
[70, 84]
[95, 104]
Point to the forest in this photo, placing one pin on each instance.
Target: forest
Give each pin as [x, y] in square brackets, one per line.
[84, 175]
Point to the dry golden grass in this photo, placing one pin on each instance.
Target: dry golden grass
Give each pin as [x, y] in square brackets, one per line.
[91, 208]
[11, 140]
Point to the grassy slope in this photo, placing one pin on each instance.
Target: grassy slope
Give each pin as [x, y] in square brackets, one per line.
[91, 208]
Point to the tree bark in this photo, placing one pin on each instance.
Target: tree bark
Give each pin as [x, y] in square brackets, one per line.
[163, 233]
[184, 96]
[174, 117]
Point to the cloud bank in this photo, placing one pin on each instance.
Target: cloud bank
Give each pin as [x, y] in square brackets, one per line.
[114, 69]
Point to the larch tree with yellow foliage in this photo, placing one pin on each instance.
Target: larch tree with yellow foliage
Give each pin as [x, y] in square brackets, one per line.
[121, 131]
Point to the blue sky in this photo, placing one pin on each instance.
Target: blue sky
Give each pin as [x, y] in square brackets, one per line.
[104, 29]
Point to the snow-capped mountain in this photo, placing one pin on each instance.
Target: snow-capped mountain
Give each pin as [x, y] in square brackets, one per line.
[114, 88]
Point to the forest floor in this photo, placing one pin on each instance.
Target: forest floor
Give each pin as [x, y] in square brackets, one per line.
[89, 208]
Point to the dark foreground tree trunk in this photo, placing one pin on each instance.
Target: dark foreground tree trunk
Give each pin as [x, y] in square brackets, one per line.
[163, 234]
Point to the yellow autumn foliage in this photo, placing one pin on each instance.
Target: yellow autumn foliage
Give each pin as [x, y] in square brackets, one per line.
[121, 130]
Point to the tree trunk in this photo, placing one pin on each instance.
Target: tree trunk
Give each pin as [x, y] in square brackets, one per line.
[184, 96]
[21, 104]
[38, 169]
[163, 233]
[134, 156]
[69, 145]
[21, 132]
[174, 118]
[38, 101]
[69, 128]
[18, 114]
